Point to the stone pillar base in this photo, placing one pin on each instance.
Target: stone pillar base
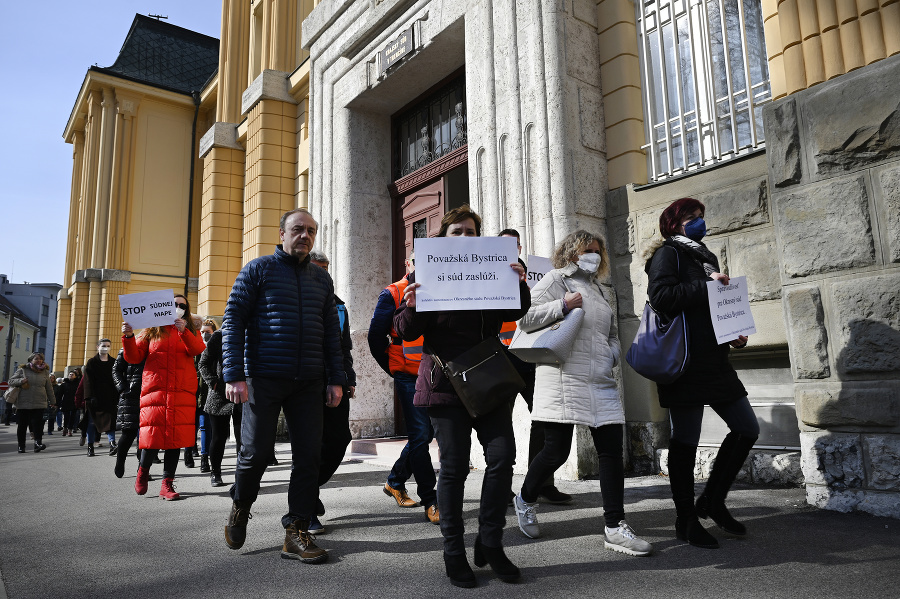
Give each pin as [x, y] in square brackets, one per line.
[761, 468]
[642, 440]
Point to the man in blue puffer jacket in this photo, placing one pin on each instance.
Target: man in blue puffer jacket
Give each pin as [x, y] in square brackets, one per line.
[281, 349]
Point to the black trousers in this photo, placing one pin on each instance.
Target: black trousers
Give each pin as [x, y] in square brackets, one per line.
[302, 404]
[453, 429]
[69, 419]
[558, 443]
[336, 436]
[219, 431]
[170, 460]
[29, 418]
[737, 414]
[126, 439]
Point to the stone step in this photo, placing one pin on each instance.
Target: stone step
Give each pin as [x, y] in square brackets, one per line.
[384, 452]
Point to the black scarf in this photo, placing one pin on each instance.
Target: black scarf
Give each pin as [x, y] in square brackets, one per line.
[698, 252]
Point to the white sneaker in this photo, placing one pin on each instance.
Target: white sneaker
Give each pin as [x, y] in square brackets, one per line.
[623, 540]
[527, 515]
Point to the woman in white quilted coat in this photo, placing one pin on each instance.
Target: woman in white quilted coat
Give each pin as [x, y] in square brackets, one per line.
[582, 390]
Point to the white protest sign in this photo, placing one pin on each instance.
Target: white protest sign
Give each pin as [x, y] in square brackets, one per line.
[148, 309]
[729, 307]
[466, 273]
[537, 268]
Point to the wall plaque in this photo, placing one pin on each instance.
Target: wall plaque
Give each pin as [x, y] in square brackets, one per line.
[396, 50]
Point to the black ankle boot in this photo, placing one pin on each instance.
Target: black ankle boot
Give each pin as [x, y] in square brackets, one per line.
[681, 478]
[204, 463]
[500, 564]
[188, 458]
[459, 571]
[215, 479]
[711, 504]
[689, 529]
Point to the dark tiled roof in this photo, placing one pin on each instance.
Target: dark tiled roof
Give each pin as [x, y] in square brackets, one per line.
[9, 308]
[165, 55]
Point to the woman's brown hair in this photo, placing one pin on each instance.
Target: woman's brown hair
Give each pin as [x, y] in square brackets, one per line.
[458, 215]
[152, 333]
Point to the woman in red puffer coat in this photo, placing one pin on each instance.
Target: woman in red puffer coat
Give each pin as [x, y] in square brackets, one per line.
[168, 392]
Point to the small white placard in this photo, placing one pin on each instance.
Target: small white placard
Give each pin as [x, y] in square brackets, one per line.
[537, 268]
[729, 307]
[148, 309]
[466, 273]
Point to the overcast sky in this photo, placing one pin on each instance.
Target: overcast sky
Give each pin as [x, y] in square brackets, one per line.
[47, 48]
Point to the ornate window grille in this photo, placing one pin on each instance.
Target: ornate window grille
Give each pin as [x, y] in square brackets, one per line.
[431, 129]
[705, 77]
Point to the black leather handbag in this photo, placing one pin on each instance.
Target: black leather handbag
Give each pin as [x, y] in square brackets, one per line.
[483, 377]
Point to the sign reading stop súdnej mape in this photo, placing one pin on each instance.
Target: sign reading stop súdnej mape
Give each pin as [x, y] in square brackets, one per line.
[466, 273]
[148, 309]
[538, 266]
[729, 307]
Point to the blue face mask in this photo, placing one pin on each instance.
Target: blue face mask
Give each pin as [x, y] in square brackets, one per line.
[696, 229]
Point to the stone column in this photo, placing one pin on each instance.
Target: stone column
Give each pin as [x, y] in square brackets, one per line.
[120, 196]
[91, 318]
[113, 283]
[88, 183]
[77, 319]
[221, 217]
[234, 56]
[63, 314]
[836, 180]
[75, 195]
[104, 180]
[271, 161]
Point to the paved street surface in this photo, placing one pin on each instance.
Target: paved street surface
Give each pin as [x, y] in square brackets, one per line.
[69, 528]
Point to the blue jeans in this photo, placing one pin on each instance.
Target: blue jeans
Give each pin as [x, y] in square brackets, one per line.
[204, 438]
[302, 404]
[415, 459]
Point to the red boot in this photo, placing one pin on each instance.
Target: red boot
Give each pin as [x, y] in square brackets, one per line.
[167, 490]
[140, 483]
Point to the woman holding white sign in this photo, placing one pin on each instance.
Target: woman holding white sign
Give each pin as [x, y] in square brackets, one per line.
[448, 335]
[582, 390]
[168, 392]
[678, 269]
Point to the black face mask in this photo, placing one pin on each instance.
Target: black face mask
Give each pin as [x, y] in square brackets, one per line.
[207, 337]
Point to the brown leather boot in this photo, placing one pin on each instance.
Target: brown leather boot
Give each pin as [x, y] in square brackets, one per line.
[236, 529]
[300, 545]
[400, 496]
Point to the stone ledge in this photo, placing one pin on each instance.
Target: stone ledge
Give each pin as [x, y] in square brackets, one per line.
[220, 135]
[270, 85]
[109, 274]
[763, 467]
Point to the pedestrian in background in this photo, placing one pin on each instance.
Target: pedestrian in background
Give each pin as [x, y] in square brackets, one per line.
[168, 392]
[401, 359]
[128, 418]
[678, 270]
[53, 410]
[100, 397]
[219, 413]
[448, 334]
[206, 331]
[67, 402]
[35, 396]
[336, 435]
[582, 390]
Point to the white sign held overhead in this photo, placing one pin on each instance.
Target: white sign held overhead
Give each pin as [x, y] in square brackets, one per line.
[537, 268]
[466, 273]
[729, 307]
[148, 309]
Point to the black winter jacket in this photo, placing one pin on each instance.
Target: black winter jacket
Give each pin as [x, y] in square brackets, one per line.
[677, 282]
[449, 334]
[128, 382]
[210, 369]
[281, 322]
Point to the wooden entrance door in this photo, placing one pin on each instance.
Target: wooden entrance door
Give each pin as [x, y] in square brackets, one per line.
[419, 215]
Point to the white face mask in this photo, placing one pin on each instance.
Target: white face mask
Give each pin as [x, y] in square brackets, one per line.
[589, 262]
[103, 349]
[179, 312]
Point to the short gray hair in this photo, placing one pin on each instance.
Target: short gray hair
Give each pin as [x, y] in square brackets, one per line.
[317, 256]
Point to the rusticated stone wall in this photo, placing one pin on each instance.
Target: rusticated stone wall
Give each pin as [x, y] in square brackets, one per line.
[834, 171]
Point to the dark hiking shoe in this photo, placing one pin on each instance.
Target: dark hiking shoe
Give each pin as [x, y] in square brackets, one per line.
[236, 529]
[299, 544]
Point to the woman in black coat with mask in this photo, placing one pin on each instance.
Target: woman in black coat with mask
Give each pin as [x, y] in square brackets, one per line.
[128, 381]
[678, 270]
